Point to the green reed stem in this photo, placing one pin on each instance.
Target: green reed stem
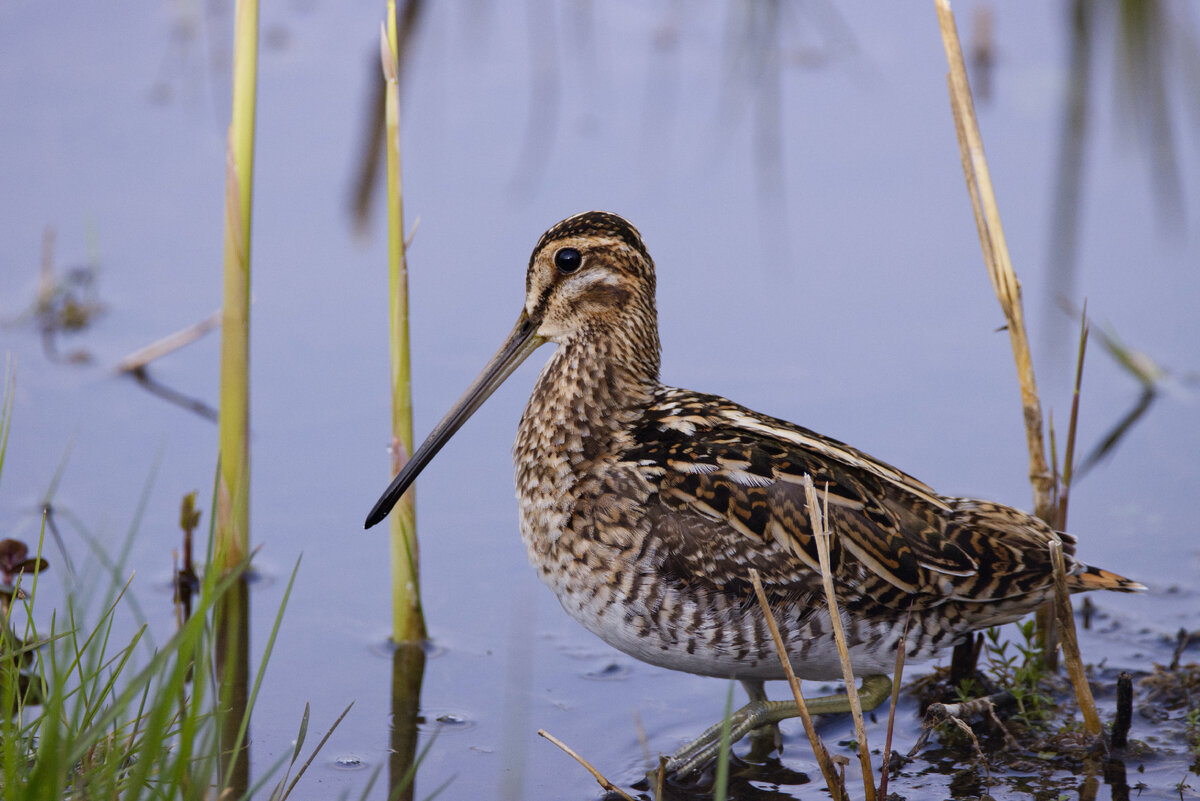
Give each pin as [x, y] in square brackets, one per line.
[408, 622]
[233, 485]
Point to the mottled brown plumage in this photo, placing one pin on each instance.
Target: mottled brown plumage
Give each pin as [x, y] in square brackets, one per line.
[644, 506]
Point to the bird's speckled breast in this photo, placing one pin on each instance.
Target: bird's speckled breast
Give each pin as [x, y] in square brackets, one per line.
[584, 522]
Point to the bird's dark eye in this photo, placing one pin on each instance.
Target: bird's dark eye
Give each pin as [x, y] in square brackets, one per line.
[568, 260]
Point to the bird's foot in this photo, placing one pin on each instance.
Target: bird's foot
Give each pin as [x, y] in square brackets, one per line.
[761, 713]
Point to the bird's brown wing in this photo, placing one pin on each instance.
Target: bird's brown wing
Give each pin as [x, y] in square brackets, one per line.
[731, 497]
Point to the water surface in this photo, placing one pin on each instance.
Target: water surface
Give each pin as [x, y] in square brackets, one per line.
[794, 172]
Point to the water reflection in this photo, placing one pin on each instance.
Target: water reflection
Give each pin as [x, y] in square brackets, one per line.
[66, 302]
[1156, 49]
[855, 155]
[232, 631]
[408, 670]
[369, 170]
[194, 405]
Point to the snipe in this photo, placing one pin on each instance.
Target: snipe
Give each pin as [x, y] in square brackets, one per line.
[644, 506]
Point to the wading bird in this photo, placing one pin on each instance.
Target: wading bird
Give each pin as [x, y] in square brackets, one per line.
[644, 507]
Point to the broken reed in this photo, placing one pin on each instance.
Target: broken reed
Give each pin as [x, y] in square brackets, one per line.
[408, 622]
[996, 257]
[818, 518]
[600, 778]
[837, 788]
[233, 482]
[834, 781]
[1050, 499]
[1008, 292]
[1070, 645]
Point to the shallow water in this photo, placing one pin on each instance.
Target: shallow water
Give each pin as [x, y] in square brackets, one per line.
[817, 260]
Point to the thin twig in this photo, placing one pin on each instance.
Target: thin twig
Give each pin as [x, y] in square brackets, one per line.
[1069, 457]
[940, 713]
[597, 775]
[837, 787]
[1070, 645]
[172, 342]
[901, 650]
[977, 707]
[822, 535]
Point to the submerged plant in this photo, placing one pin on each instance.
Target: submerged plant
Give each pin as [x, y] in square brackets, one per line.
[1020, 671]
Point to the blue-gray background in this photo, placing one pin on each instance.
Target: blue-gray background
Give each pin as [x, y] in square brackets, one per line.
[793, 170]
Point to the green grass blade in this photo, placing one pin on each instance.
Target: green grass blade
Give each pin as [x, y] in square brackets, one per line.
[721, 783]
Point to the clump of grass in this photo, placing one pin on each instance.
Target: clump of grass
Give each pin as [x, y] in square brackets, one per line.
[115, 719]
[110, 722]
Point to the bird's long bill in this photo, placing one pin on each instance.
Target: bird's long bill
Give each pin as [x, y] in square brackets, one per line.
[522, 341]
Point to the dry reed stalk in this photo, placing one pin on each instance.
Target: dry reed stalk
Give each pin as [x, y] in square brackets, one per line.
[1070, 645]
[608, 786]
[837, 787]
[821, 533]
[996, 257]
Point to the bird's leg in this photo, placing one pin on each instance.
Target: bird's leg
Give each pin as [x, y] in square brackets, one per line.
[766, 739]
[761, 712]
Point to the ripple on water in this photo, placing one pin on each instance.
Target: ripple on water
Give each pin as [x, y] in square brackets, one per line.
[386, 648]
[349, 762]
[445, 721]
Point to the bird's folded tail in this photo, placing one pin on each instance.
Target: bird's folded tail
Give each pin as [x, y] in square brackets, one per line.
[1095, 578]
